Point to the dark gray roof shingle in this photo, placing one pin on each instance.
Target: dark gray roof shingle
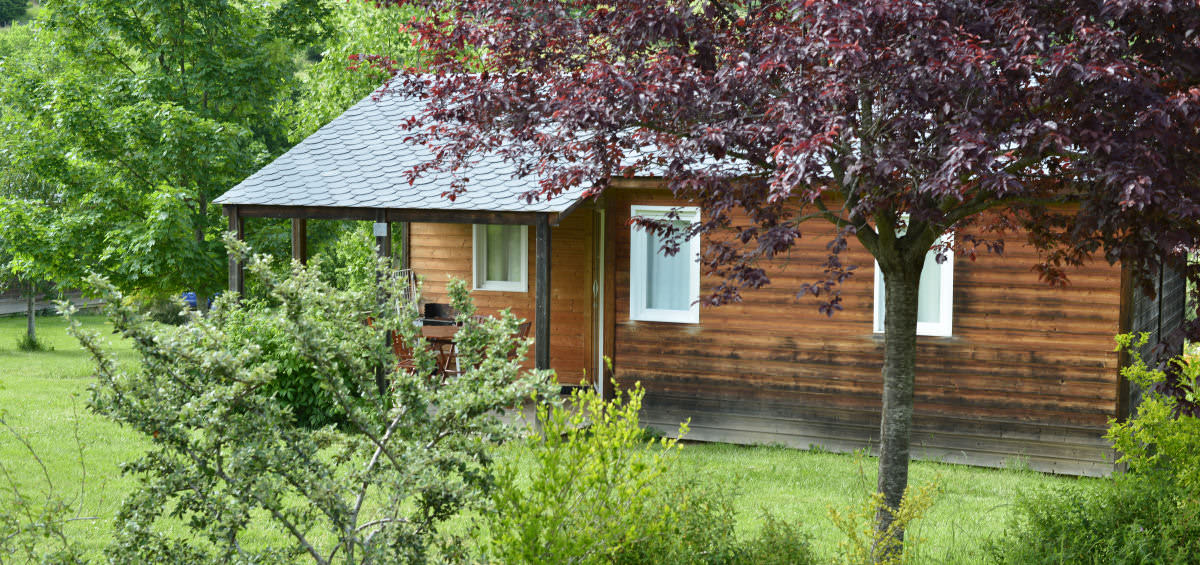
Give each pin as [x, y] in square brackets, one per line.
[359, 160]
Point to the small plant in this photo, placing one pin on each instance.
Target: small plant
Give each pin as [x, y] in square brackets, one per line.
[778, 542]
[33, 519]
[864, 545]
[26, 343]
[595, 489]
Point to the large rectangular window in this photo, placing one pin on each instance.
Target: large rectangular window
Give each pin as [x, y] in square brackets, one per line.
[935, 298]
[500, 257]
[664, 288]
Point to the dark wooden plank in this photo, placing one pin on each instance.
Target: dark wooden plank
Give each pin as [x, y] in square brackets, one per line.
[405, 245]
[1057, 449]
[542, 300]
[237, 225]
[300, 240]
[383, 235]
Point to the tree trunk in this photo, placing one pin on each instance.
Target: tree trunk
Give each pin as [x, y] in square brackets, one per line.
[31, 314]
[902, 287]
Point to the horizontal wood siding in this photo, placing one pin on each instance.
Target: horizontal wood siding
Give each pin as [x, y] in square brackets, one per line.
[442, 251]
[1029, 372]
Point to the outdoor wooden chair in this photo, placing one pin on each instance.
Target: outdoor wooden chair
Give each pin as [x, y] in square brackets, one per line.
[448, 365]
[404, 353]
[521, 333]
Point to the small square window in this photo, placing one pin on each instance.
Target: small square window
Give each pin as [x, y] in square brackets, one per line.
[935, 297]
[664, 288]
[500, 257]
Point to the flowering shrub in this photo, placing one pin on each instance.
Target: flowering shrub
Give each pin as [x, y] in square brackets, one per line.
[226, 455]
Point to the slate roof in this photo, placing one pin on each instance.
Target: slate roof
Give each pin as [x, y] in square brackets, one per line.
[358, 160]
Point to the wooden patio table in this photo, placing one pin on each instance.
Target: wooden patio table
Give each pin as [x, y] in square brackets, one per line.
[441, 341]
[439, 334]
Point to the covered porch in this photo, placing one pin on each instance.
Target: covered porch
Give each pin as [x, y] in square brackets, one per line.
[356, 168]
[386, 220]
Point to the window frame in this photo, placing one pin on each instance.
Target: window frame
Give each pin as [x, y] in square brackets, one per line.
[479, 252]
[638, 266]
[944, 327]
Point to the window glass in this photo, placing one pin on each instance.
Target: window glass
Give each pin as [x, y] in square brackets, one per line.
[664, 288]
[935, 297]
[929, 297]
[500, 257]
[503, 253]
[667, 278]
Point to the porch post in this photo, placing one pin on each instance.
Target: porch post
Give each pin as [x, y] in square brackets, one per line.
[383, 235]
[237, 225]
[300, 240]
[405, 246]
[383, 247]
[541, 318]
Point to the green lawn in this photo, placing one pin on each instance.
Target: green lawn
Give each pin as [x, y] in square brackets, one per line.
[973, 505]
[44, 397]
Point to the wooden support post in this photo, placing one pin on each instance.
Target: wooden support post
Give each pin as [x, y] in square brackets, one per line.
[405, 245]
[541, 317]
[237, 225]
[300, 240]
[383, 236]
[383, 247]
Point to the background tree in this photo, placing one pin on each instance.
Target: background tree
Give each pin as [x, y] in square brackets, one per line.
[1070, 123]
[11, 10]
[174, 103]
[43, 233]
[361, 32]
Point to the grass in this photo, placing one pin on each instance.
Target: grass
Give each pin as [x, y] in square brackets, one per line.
[973, 504]
[43, 396]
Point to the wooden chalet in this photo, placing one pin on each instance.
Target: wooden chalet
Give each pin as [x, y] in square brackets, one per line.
[1009, 370]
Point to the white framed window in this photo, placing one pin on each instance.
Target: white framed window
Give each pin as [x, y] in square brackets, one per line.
[935, 297]
[663, 288]
[500, 257]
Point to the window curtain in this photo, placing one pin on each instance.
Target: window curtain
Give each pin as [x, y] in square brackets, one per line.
[503, 253]
[667, 278]
[929, 297]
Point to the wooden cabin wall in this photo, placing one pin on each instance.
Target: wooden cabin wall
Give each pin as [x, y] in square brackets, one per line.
[441, 251]
[1158, 317]
[1028, 375]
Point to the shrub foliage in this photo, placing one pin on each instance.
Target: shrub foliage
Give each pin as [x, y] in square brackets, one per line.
[226, 454]
[1148, 514]
[594, 489]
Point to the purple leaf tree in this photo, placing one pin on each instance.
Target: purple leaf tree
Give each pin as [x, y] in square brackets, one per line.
[1073, 124]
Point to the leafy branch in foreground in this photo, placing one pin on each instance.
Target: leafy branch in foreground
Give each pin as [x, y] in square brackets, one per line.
[229, 459]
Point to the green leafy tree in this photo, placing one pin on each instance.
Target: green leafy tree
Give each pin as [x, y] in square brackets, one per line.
[357, 58]
[42, 236]
[173, 103]
[11, 10]
[226, 453]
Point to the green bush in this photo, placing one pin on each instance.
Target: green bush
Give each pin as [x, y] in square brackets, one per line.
[163, 309]
[778, 543]
[594, 490]
[298, 380]
[224, 461]
[1148, 514]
